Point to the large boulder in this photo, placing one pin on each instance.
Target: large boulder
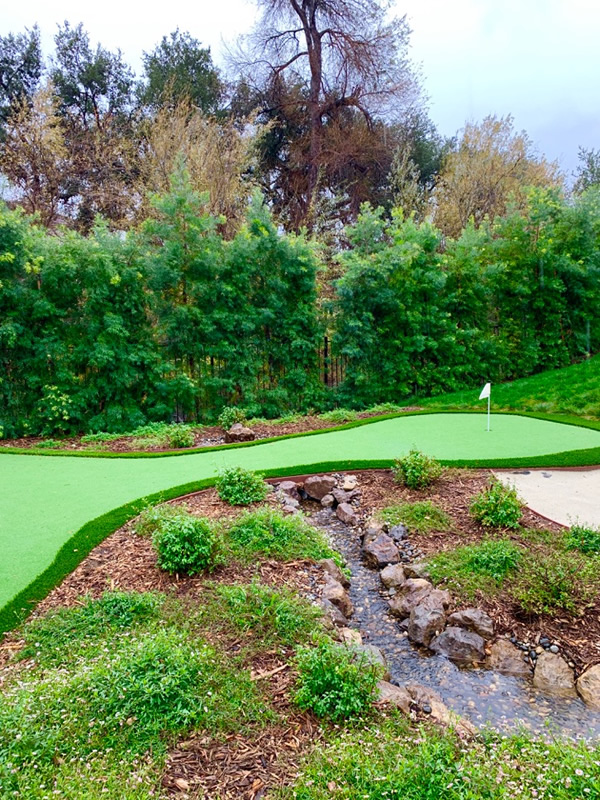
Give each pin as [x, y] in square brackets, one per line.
[553, 675]
[336, 594]
[425, 623]
[317, 486]
[588, 686]
[418, 592]
[459, 645]
[473, 619]
[331, 569]
[380, 552]
[239, 433]
[505, 658]
[346, 513]
[392, 576]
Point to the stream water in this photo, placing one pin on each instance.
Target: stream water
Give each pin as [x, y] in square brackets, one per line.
[483, 696]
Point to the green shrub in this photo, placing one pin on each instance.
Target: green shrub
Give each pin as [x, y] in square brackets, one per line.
[384, 408]
[187, 544]
[584, 539]
[181, 436]
[268, 532]
[335, 681]
[420, 517]
[476, 568]
[497, 506]
[339, 415]
[50, 444]
[240, 487]
[416, 470]
[230, 415]
[92, 438]
[153, 517]
[560, 581]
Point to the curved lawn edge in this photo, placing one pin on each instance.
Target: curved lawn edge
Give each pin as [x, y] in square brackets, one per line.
[563, 420]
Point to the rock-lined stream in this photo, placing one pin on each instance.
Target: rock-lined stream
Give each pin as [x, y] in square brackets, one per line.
[483, 696]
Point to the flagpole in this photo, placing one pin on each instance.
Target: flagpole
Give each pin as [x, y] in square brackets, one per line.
[489, 399]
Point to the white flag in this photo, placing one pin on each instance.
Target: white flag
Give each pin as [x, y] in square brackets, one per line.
[486, 391]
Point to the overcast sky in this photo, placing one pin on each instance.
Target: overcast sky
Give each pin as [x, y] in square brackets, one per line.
[538, 60]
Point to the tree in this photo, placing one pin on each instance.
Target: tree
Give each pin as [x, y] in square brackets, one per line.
[20, 69]
[490, 164]
[588, 170]
[180, 69]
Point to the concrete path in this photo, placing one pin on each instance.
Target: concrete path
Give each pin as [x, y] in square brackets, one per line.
[562, 495]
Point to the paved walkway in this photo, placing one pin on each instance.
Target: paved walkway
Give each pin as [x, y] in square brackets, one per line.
[565, 496]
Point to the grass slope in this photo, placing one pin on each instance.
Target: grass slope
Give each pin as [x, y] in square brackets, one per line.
[571, 390]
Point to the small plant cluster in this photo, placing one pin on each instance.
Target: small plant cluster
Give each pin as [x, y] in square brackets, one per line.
[420, 517]
[240, 487]
[557, 581]
[416, 470]
[497, 506]
[584, 539]
[339, 415]
[154, 434]
[335, 681]
[477, 567]
[231, 415]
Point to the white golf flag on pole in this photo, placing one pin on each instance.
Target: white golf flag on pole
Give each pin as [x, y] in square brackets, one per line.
[487, 392]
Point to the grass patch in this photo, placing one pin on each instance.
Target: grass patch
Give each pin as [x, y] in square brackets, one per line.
[584, 539]
[479, 567]
[420, 517]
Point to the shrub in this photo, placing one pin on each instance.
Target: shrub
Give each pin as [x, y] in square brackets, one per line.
[586, 540]
[181, 436]
[230, 415]
[420, 517]
[335, 681]
[186, 544]
[476, 568]
[50, 444]
[339, 415]
[270, 533]
[416, 470]
[497, 506]
[558, 581]
[153, 517]
[240, 487]
[384, 408]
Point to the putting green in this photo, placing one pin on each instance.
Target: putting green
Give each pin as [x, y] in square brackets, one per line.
[44, 500]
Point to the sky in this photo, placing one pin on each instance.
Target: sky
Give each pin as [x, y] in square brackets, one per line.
[537, 60]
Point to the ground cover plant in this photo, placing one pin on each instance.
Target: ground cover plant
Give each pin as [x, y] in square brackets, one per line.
[421, 516]
[497, 506]
[241, 487]
[583, 538]
[476, 568]
[417, 470]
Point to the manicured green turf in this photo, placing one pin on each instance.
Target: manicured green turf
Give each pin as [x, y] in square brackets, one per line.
[46, 500]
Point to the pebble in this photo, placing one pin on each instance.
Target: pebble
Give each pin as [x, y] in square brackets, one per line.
[554, 648]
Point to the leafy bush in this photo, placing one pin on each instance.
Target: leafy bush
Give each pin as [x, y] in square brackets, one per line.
[416, 470]
[181, 436]
[339, 415]
[584, 539]
[240, 487]
[186, 544]
[270, 533]
[92, 438]
[497, 506]
[420, 517]
[54, 413]
[564, 581]
[230, 415]
[384, 408]
[50, 444]
[472, 568]
[335, 681]
[153, 517]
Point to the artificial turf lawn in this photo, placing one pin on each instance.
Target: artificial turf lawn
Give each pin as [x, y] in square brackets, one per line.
[45, 500]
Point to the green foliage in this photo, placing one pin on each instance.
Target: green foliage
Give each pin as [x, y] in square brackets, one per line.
[270, 533]
[53, 413]
[556, 581]
[230, 415]
[420, 517]
[186, 544]
[584, 539]
[49, 444]
[153, 518]
[497, 506]
[479, 567]
[335, 681]
[339, 415]
[240, 487]
[181, 436]
[384, 408]
[416, 470]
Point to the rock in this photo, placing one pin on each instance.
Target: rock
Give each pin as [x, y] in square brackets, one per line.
[588, 686]
[239, 433]
[340, 496]
[424, 697]
[415, 592]
[350, 636]
[289, 508]
[393, 575]
[373, 529]
[418, 569]
[317, 486]
[505, 658]
[289, 488]
[346, 513]
[336, 594]
[554, 648]
[327, 501]
[553, 675]
[396, 696]
[459, 645]
[474, 619]
[425, 623]
[380, 552]
[329, 566]
[334, 614]
[398, 532]
[288, 500]
[349, 483]
[369, 655]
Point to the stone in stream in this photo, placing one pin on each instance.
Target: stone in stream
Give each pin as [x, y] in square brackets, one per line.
[392, 695]
[289, 488]
[380, 552]
[340, 496]
[418, 569]
[368, 655]
[430, 701]
[392, 576]
[350, 636]
[425, 623]
[418, 592]
[459, 645]
[328, 501]
[333, 614]
[553, 675]
[588, 686]
[398, 532]
[505, 658]
[317, 486]
[336, 594]
[346, 513]
[239, 433]
[329, 566]
[373, 529]
[474, 619]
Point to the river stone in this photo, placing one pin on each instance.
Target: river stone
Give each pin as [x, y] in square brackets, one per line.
[553, 675]
[329, 566]
[392, 576]
[418, 569]
[336, 594]
[373, 529]
[425, 623]
[349, 483]
[333, 614]
[459, 645]
[346, 513]
[369, 655]
[588, 686]
[350, 636]
[423, 697]
[380, 552]
[398, 532]
[328, 501]
[317, 486]
[340, 495]
[474, 619]
[394, 696]
[507, 659]
[290, 488]
[239, 433]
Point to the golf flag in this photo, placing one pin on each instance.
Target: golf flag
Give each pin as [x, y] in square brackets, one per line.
[486, 391]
